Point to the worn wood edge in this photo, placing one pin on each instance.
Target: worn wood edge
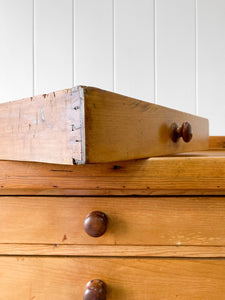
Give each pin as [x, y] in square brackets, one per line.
[81, 161]
[216, 142]
[112, 250]
[69, 156]
[83, 136]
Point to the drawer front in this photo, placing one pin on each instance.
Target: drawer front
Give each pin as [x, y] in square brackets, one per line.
[26, 278]
[131, 221]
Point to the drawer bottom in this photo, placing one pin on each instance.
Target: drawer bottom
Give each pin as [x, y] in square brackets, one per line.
[65, 278]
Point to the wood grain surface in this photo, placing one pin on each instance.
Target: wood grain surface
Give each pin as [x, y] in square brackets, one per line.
[131, 221]
[126, 278]
[112, 250]
[201, 173]
[44, 128]
[217, 142]
[120, 128]
[88, 125]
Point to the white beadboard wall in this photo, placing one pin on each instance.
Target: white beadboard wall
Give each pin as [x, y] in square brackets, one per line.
[171, 52]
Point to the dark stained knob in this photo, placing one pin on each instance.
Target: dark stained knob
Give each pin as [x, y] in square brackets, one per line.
[185, 131]
[96, 223]
[95, 290]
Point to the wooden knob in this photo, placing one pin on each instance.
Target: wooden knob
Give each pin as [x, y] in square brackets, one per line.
[95, 290]
[96, 223]
[185, 131]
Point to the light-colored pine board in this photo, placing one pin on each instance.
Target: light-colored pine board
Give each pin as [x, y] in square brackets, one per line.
[93, 29]
[53, 32]
[211, 62]
[134, 48]
[112, 250]
[207, 153]
[217, 142]
[156, 176]
[45, 128]
[131, 221]
[175, 50]
[121, 128]
[16, 59]
[89, 125]
[130, 278]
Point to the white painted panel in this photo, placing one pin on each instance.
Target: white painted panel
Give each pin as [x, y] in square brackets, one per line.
[16, 60]
[134, 48]
[53, 45]
[175, 33]
[94, 43]
[211, 63]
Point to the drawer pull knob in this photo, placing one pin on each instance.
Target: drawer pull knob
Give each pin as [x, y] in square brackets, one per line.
[95, 290]
[96, 223]
[185, 131]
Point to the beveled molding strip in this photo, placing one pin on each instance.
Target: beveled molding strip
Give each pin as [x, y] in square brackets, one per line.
[112, 250]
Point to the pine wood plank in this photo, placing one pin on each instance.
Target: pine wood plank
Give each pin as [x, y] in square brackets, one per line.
[188, 174]
[112, 250]
[130, 278]
[131, 221]
[44, 128]
[216, 142]
[120, 128]
[89, 125]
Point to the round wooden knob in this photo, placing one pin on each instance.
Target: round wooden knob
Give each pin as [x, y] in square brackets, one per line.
[185, 131]
[95, 290]
[96, 223]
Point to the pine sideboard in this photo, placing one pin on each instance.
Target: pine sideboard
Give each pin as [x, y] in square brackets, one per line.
[138, 230]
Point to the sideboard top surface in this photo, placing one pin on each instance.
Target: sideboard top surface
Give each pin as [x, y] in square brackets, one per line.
[193, 173]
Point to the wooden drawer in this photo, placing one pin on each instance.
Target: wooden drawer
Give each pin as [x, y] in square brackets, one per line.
[31, 278]
[131, 221]
[89, 125]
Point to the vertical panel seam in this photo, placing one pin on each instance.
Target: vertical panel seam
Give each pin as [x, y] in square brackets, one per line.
[33, 49]
[113, 46]
[73, 44]
[155, 51]
[196, 58]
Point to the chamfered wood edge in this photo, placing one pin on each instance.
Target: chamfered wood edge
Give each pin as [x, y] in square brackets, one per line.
[112, 250]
